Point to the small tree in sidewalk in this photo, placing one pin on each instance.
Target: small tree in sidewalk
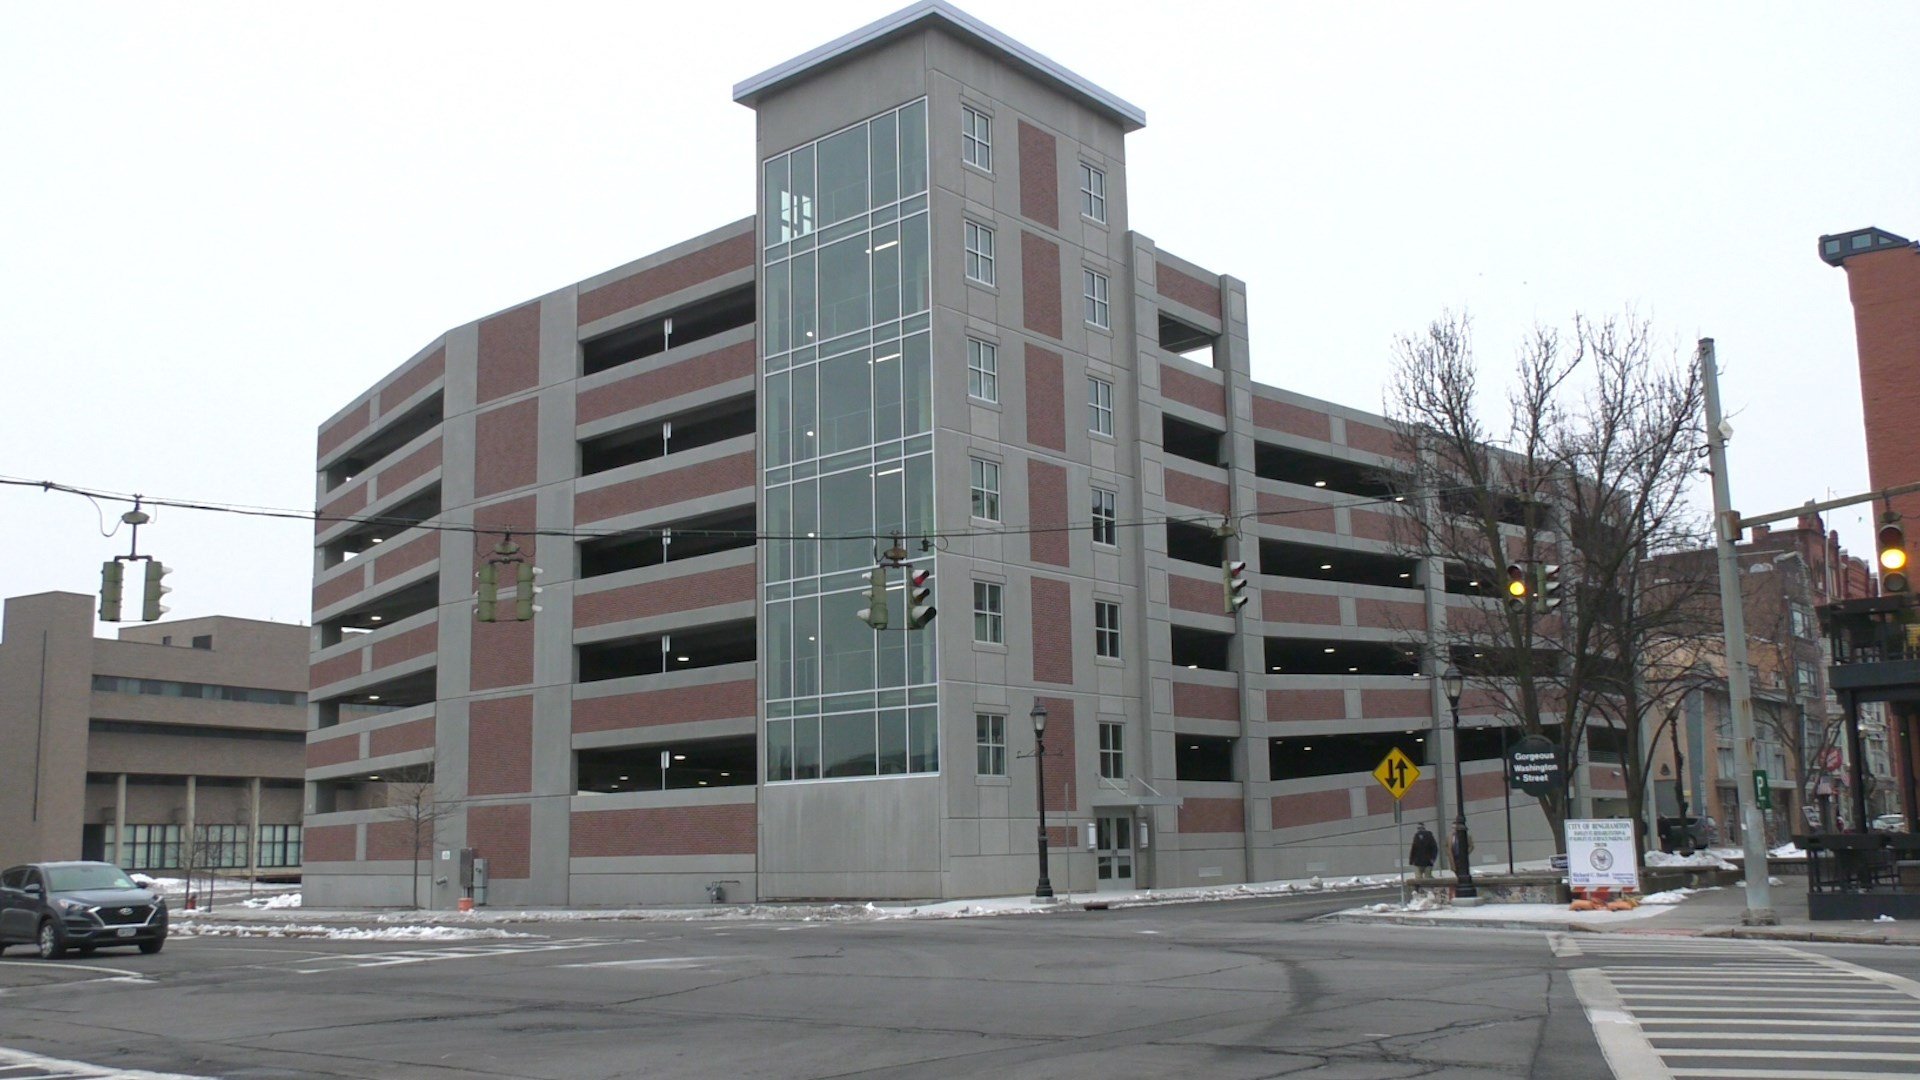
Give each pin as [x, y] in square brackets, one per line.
[414, 802]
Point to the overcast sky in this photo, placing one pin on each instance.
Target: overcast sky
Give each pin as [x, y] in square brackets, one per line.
[220, 222]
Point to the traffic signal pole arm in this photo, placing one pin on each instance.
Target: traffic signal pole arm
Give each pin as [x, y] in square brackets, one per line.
[1739, 524]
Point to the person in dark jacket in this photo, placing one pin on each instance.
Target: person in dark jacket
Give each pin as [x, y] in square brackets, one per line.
[1425, 850]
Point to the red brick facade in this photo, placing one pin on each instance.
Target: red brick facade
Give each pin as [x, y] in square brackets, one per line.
[1292, 419]
[502, 835]
[399, 841]
[408, 469]
[734, 253]
[400, 738]
[1199, 702]
[1288, 512]
[1052, 631]
[1311, 808]
[725, 829]
[329, 843]
[1314, 609]
[336, 434]
[396, 559]
[1186, 489]
[1192, 594]
[1046, 398]
[506, 448]
[413, 380]
[661, 383]
[500, 746]
[1189, 389]
[336, 751]
[1211, 816]
[677, 705]
[509, 360]
[409, 645]
[1062, 738]
[664, 488]
[1040, 296]
[689, 592]
[1047, 512]
[1285, 705]
[1184, 288]
[502, 655]
[1039, 177]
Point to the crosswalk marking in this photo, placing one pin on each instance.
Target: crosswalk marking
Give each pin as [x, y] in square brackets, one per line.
[20, 1065]
[1665, 1009]
[348, 961]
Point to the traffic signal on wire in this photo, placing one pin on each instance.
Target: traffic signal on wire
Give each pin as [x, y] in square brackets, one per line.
[1518, 588]
[1546, 586]
[150, 606]
[920, 610]
[112, 577]
[489, 599]
[1233, 580]
[1892, 545]
[875, 613]
[524, 590]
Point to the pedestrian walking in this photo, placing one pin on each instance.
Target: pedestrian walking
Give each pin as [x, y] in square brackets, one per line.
[1460, 846]
[1423, 853]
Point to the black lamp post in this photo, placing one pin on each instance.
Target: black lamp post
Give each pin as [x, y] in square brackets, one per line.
[1044, 889]
[1453, 682]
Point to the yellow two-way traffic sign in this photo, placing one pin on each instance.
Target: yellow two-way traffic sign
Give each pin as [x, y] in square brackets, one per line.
[1396, 772]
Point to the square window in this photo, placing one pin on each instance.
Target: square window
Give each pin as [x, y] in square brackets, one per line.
[1093, 193]
[1096, 298]
[987, 624]
[1106, 629]
[979, 240]
[1099, 406]
[986, 490]
[983, 370]
[1106, 517]
[976, 138]
[1113, 757]
[990, 740]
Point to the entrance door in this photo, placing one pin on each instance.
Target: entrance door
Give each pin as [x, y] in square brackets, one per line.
[1113, 852]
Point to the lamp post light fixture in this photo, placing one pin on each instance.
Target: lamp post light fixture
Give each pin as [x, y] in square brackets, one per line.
[1453, 683]
[1043, 890]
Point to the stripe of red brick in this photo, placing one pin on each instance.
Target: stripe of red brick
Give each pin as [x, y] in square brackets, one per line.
[418, 641]
[430, 367]
[500, 746]
[1317, 609]
[1189, 389]
[1306, 705]
[336, 434]
[1377, 704]
[1039, 176]
[506, 447]
[502, 835]
[1046, 398]
[400, 738]
[684, 272]
[328, 843]
[1185, 489]
[1211, 816]
[661, 383]
[1287, 512]
[1192, 594]
[397, 559]
[344, 666]
[1377, 440]
[689, 592]
[707, 478]
[1040, 284]
[398, 841]
[509, 357]
[409, 468]
[502, 655]
[1390, 614]
[1312, 808]
[332, 592]
[1061, 740]
[1292, 419]
[1206, 702]
[336, 751]
[1047, 512]
[346, 504]
[675, 705]
[1189, 290]
[725, 829]
[1052, 631]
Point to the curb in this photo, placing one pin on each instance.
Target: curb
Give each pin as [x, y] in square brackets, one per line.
[1826, 937]
[1467, 924]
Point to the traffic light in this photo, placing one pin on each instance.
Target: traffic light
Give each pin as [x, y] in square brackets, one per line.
[1546, 586]
[875, 613]
[919, 599]
[489, 591]
[1233, 579]
[1892, 542]
[524, 591]
[1518, 590]
[112, 574]
[150, 606]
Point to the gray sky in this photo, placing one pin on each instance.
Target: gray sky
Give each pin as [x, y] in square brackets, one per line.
[219, 222]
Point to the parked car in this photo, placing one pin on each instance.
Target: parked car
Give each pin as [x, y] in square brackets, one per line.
[81, 906]
[1890, 823]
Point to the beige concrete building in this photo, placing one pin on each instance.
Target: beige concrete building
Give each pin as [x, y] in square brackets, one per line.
[179, 741]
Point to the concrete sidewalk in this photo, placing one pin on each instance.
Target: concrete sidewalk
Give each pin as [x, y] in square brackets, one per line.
[1710, 913]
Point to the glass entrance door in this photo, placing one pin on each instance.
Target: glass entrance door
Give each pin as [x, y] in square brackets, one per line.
[1113, 852]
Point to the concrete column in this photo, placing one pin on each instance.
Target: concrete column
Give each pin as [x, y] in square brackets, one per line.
[253, 830]
[120, 820]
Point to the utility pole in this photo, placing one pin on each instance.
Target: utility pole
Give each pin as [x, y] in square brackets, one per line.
[1753, 835]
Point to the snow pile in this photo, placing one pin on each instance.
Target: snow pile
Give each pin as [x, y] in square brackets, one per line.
[1787, 851]
[1705, 859]
[1771, 881]
[273, 903]
[1884, 918]
[343, 933]
[1671, 896]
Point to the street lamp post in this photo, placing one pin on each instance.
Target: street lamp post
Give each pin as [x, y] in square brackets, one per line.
[1453, 682]
[1043, 890]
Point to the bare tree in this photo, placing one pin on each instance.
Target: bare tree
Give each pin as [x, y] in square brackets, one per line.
[1589, 471]
[412, 800]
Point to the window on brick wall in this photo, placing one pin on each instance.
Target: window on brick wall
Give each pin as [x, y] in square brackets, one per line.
[1106, 628]
[983, 370]
[990, 741]
[1113, 758]
[987, 613]
[979, 241]
[1106, 517]
[986, 489]
[1099, 406]
[976, 138]
[1095, 294]
[1093, 192]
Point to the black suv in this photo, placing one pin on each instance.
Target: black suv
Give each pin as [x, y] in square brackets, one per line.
[78, 905]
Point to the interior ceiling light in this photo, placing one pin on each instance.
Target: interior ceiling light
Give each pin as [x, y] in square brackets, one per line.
[373, 776]
[375, 618]
[1326, 566]
[683, 659]
[1319, 483]
[679, 757]
[379, 540]
[1328, 649]
[1193, 667]
[1353, 670]
[373, 697]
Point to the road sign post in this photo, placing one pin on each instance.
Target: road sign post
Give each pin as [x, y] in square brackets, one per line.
[1762, 791]
[1397, 772]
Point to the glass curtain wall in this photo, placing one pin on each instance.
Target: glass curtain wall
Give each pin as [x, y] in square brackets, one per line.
[849, 449]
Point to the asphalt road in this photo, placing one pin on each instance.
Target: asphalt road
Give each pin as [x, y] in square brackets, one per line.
[1223, 990]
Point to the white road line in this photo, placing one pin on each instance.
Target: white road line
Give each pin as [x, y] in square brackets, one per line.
[55, 1067]
[1788, 1074]
[1803, 1055]
[1736, 1021]
[1751, 1037]
[1757, 1010]
[668, 962]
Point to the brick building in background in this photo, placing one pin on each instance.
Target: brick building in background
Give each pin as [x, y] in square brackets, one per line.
[1883, 283]
[940, 323]
[126, 749]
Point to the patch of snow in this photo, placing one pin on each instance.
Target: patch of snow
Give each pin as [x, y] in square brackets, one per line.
[1698, 858]
[273, 903]
[1884, 918]
[1671, 896]
[1786, 851]
[342, 933]
[1525, 913]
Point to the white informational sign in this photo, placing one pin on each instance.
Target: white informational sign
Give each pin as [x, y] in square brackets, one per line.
[1600, 854]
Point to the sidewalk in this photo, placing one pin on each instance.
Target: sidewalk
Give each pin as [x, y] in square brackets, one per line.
[1708, 913]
